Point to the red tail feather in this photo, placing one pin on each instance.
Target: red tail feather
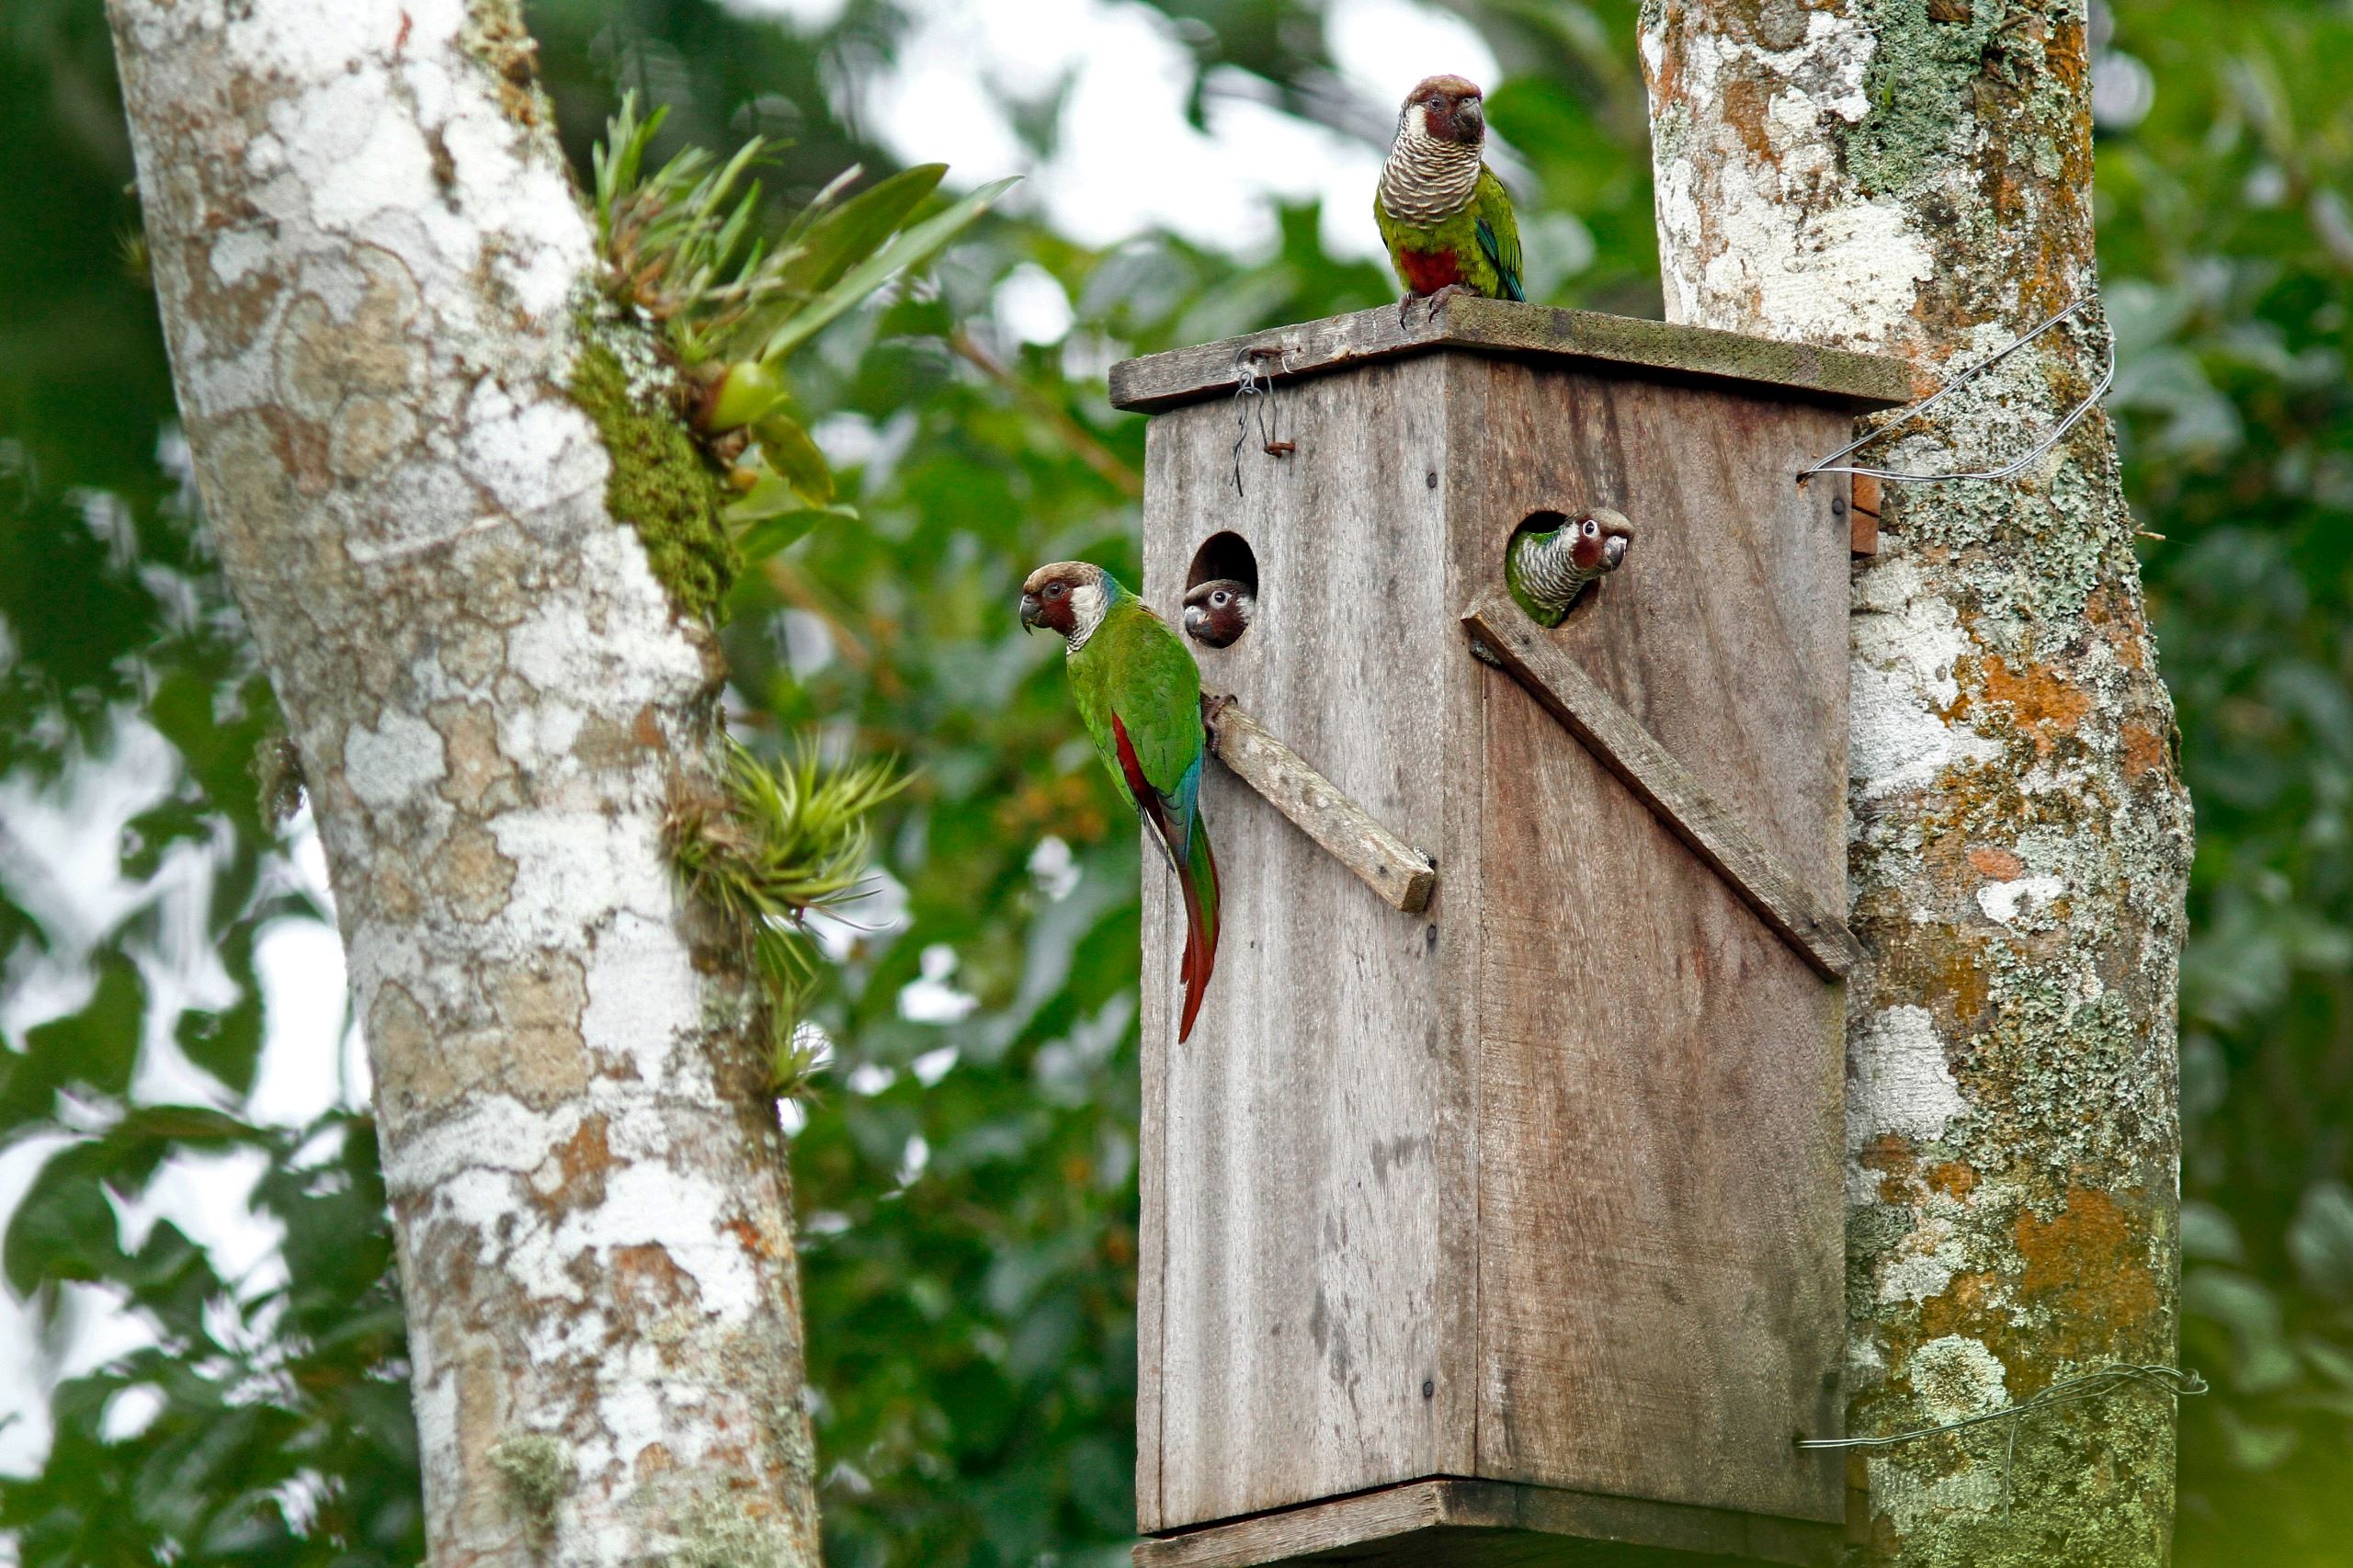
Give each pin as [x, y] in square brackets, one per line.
[1201, 957]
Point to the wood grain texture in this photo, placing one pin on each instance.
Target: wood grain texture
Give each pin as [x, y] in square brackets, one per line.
[1542, 1186]
[1660, 1076]
[1487, 1524]
[1292, 1284]
[1661, 783]
[1396, 870]
[1856, 383]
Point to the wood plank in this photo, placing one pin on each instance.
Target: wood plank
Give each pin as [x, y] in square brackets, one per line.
[1856, 383]
[1663, 784]
[1660, 1075]
[1862, 514]
[1396, 870]
[1486, 1524]
[1296, 1261]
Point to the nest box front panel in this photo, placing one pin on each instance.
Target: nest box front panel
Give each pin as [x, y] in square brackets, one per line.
[1304, 1330]
[1660, 1073]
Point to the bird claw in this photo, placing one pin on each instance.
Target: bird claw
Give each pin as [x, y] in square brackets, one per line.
[1213, 704]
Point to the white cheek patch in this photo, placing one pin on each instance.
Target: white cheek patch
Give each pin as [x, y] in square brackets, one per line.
[1087, 603]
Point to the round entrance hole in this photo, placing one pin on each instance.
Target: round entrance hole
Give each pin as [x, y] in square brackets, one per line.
[1221, 590]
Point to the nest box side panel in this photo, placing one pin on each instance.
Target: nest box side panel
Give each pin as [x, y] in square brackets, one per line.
[1303, 1327]
[1661, 1076]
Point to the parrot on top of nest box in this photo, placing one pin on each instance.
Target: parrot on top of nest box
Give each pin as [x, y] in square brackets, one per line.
[1140, 696]
[1443, 214]
[1218, 611]
[1546, 569]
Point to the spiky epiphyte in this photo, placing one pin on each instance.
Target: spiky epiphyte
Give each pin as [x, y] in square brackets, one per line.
[1547, 568]
[774, 846]
[682, 243]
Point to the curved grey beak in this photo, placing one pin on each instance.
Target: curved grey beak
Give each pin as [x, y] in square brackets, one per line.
[1613, 550]
[1029, 612]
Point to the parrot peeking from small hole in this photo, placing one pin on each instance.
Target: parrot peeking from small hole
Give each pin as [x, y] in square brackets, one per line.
[1443, 214]
[1546, 569]
[1138, 693]
[1218, 611]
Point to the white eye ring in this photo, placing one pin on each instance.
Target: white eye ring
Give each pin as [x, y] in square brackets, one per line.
[1591, 527]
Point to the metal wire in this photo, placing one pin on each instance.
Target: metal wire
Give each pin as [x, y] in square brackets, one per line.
[1247, 385]
[2095, 1384]
[2008, 470]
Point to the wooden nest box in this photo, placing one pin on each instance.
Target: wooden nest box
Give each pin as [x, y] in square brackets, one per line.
[1510, 1226]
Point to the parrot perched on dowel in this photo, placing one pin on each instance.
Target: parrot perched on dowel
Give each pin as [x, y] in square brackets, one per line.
[1140, 695]
[1443, 214]
[1546, 569]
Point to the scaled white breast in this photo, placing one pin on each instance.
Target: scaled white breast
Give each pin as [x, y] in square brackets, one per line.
[1427, 180]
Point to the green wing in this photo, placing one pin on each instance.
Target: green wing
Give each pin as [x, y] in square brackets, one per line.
[1499, 232]
[1136, 669]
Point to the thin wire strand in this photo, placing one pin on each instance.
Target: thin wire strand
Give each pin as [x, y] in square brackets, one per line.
[2095, 1384]
[1247, 385]
[2008, 470]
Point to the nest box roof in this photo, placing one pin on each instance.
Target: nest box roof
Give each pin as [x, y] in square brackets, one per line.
[1857, 381]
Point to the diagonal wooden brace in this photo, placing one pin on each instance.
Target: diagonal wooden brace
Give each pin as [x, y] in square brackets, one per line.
[1318, 808]
[1680, 802]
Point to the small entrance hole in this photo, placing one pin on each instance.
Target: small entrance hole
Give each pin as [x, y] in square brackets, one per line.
[1223, 558]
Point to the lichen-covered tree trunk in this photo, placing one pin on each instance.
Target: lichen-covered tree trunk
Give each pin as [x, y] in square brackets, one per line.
[1917, 179]
[370, 261]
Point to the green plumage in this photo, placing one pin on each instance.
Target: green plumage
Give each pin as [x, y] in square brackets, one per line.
[1477, 247]
[1134, 666]
[1134, 676]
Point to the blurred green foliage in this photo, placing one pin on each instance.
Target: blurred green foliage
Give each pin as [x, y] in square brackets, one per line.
[967, 1175]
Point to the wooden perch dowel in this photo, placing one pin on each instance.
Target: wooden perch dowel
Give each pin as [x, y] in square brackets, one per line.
[1391, 867]
[1680, 802]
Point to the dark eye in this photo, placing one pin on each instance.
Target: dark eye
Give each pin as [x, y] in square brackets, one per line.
[1591, 527]
[1053, 590]
[1435, 103]
[1221, 598]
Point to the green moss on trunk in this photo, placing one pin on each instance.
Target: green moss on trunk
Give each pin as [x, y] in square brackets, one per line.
[661, 484]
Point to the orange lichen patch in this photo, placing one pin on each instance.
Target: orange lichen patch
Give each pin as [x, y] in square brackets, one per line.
[1746, 112]
[646, 1285]
[2144, 753]
[751, 1238]
[2042, 703]
[1932, 965]
[1889, 1154]
[652, 1461]
[2000, 865]
[1954, 1179]
[582, 1161]
[2090, 1267]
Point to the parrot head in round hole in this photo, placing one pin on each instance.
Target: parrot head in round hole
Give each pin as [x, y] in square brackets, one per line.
[1546, 569]
[1138, 694]
[1218, 611]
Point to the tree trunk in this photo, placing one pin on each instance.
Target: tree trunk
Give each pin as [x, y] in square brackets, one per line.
[1869, 174]
[369, 256]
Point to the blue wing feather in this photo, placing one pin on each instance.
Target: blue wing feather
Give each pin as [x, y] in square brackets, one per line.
[1495, 253]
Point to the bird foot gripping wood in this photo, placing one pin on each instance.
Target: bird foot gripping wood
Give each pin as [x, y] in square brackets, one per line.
[1213, 704]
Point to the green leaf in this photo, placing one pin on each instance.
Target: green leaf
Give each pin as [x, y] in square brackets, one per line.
[98, 1045]
[2320, 1240]
[794, 458]
[64, 1228]
[774, 532]
[852, 232]
[909, 249]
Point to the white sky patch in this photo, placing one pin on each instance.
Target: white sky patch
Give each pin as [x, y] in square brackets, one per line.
[1383, 47]
[1031, 306]
[809, 15]
[932, 999]
[1054, 868]
[1126, 159]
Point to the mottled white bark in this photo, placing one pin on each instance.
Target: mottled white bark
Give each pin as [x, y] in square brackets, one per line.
[1915, 178]
[369, 254]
